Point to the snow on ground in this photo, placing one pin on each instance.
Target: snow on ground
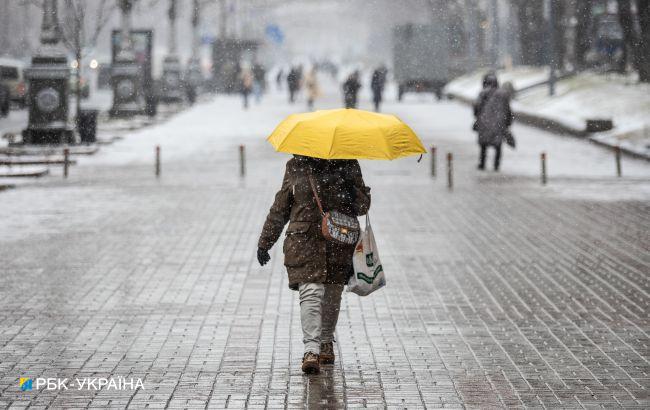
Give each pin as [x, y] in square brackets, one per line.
[578, 98]
[214, 127]
[470, 85]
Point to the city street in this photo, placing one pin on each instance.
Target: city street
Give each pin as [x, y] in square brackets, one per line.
[500, 292]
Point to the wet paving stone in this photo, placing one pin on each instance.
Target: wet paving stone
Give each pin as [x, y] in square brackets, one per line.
[499, 295]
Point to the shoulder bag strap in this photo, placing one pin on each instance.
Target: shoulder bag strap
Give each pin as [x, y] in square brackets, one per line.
[313, 188]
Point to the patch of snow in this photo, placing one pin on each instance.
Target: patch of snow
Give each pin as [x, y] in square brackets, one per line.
[578, 98]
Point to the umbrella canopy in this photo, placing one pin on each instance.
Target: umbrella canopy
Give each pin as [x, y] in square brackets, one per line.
[346, 134]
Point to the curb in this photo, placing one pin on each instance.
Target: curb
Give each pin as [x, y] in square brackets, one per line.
[555, 127]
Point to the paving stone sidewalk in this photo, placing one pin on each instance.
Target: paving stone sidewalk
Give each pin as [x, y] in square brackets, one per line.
[499, 293]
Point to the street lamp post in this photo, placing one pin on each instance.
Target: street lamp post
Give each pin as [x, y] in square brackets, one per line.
[49, 77]
[172, 87]
[126, 73]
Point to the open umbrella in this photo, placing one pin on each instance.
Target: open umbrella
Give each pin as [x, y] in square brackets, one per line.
[346, 134]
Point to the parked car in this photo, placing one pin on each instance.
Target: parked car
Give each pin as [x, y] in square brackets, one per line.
[12, 75]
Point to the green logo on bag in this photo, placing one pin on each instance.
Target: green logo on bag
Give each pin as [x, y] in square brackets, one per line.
[369, 259]
[368, 279]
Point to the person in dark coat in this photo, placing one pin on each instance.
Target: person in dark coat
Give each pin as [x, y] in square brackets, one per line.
[493, 118]
[377, 83]
[316, 267]
[294, 80]
[351, 88]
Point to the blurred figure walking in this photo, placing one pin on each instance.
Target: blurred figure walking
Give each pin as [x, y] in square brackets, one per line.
[246, 84]
[259, 81]
[278, 79]
[377, 84]
[313, 91]
[493, 119]
[351, 88]
[294, 78]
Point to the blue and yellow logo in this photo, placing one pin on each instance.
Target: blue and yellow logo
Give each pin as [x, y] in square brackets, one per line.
[25, 383]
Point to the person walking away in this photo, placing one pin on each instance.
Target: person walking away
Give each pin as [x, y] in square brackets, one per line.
[351, 88]
[246, 79]
[293, 83]
[313, 91]
[278, 79]
[317, 268]
[493, 118]
[377, 85]
[259, 81]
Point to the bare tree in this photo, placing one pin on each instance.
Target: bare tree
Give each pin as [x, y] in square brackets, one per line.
[636, 41]
[531, 31]
[582, 37]
[643, 7]
[80, 31]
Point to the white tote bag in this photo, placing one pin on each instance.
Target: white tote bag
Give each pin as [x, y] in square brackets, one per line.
[368, 272]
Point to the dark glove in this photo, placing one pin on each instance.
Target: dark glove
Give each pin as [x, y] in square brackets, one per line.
[263, 256]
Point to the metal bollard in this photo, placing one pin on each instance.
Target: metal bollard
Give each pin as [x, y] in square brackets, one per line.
[66, 161]
[619, 170]
[433, 161]
[157, 160]
[543, 160]
[450, 170]
[242, 160]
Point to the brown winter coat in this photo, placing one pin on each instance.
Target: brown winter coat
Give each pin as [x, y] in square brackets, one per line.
[308, 257]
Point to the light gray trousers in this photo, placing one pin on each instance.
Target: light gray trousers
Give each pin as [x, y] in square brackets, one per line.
[319, 311]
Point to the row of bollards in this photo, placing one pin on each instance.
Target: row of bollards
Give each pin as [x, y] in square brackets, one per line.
[543, 168]
[242, 161]
[450, 164]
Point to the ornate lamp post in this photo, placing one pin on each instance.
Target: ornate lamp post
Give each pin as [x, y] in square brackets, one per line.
[126, 72]
[49, 77]
[172, 87]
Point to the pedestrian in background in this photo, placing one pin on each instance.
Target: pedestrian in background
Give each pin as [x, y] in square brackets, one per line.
[493, 119]
[318, 269]
[351, 88]
[279, 78]
[246, 84]
[313, 90]
[294, 79]
[259, 81]
[377, 84]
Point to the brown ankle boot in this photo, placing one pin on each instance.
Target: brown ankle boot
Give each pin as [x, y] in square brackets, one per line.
[310, 363]
[327, 353]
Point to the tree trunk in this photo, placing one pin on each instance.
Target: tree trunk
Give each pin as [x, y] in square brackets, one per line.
[78, 81]
[630, 35]
[560, 32]
[643, 7]
[531, 32]
[582, 38]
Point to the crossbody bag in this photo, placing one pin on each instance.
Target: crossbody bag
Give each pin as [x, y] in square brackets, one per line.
[337, 227]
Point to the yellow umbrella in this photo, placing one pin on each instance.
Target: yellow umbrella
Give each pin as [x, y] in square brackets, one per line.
[346, 134]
